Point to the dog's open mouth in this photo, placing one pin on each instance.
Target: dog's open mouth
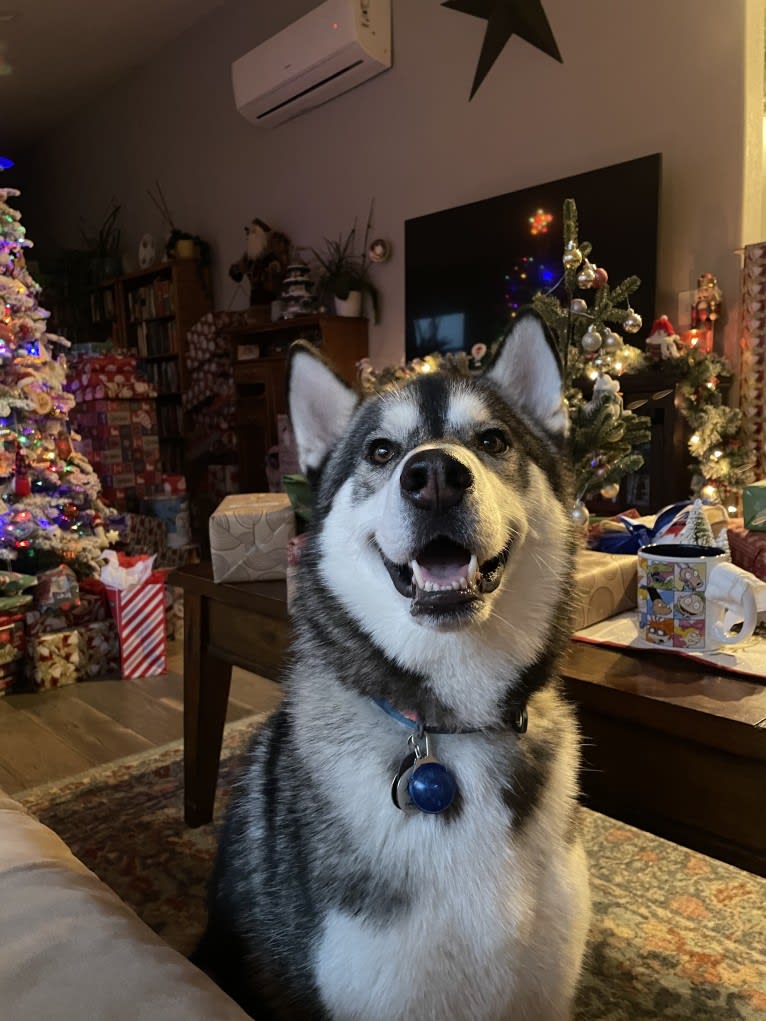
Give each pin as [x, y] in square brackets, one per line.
[445, 576]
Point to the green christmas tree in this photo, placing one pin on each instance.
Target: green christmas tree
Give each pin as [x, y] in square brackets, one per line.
[605, 435]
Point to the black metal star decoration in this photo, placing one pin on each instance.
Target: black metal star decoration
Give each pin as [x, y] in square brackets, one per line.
[525, 18]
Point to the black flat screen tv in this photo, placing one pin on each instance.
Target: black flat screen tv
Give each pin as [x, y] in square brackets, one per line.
[467, 269]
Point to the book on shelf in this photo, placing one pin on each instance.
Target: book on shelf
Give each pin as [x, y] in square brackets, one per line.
[155, 337]
[151, 301]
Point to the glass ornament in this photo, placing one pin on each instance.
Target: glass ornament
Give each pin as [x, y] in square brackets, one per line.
[612, 341]
[610, 491]
[580, 514]
[632, 322]
[572, 256]
[591, 340]
[579, 306]
[586, 276]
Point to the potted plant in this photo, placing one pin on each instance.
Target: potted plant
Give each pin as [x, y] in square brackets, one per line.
[344, 274]
[180, 243]
[104, 247]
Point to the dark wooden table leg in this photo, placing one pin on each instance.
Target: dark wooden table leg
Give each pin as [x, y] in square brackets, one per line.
[206, 694]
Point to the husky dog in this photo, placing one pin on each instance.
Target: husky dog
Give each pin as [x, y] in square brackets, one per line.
[403, 843]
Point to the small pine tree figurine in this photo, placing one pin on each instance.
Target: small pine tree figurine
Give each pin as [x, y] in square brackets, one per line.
[605, 436]
[697, 530]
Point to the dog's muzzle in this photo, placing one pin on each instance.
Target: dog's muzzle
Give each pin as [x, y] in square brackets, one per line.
[443, 576]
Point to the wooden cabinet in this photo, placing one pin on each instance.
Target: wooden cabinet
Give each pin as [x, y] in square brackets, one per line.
[149, 314]
[260, 375]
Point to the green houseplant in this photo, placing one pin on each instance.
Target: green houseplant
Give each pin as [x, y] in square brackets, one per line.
[342, 270]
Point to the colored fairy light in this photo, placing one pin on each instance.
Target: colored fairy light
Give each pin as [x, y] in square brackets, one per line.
[6, 163]
[540, 222]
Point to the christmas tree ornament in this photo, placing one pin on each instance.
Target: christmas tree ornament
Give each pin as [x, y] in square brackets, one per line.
[612, 341]
[600, 277]
[632, 322]
[22, 485]
[578, 306]
[591, 340]
[572, 256]
[586, 276]
[580, 514]
[611, 491]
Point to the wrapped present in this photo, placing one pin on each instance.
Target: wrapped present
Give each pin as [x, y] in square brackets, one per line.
[754, 506]
[57, 590]
[748, 549]
[605, 584]
[145, 534]
[11, 675]
[12, 637]
[53, 659]
[13, 596]
[173, 512]
[249, 534]
[137, 597]
[99, 650]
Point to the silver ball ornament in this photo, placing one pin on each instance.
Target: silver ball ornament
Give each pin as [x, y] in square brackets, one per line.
[591, 340]
[578, 306]
[572, 256]
[612, 341]
[610, 491]
[632, 322]
[586, 276]
[580, 514]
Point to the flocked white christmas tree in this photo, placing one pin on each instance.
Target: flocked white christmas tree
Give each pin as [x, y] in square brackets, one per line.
[51, 511]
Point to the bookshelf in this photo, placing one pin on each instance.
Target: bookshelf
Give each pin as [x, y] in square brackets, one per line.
[149, 313]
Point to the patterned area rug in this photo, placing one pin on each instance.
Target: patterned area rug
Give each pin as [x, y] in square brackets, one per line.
[674, 934]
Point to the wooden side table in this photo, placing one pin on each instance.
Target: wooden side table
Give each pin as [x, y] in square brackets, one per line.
[669, 745]
[225, 625]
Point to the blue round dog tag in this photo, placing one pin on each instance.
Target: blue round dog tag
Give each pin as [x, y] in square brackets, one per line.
[432, 787]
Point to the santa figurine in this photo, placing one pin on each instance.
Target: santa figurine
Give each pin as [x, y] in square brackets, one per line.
[663, 342]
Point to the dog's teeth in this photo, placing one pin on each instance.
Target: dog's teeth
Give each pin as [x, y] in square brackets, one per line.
[473, 567]
[457, 585]
[417, 574]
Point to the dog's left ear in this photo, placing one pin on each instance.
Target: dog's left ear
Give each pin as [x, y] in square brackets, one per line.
[320, 402]
[528, 372]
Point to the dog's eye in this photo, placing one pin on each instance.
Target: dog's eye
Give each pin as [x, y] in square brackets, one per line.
[492, 441]
[381, 451]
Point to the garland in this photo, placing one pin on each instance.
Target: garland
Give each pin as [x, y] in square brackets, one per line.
[722, 458]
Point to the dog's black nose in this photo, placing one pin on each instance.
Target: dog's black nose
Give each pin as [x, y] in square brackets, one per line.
[433, 480]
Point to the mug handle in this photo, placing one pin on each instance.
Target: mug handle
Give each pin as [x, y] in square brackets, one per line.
[732, 588]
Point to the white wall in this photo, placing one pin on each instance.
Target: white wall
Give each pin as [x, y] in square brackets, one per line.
[637, 78]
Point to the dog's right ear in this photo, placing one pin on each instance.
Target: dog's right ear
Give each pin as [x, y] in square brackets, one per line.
[321, 404]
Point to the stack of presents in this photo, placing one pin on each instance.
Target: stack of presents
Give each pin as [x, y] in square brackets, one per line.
[55, 630]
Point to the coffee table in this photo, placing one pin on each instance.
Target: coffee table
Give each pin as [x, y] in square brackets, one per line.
[669, 745]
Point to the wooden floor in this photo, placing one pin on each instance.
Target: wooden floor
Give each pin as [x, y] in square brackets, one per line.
[51, 735]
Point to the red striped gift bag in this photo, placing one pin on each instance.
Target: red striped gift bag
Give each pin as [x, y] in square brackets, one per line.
[139, 612]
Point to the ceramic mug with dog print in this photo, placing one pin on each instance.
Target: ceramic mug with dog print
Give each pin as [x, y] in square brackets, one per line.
[689, 597]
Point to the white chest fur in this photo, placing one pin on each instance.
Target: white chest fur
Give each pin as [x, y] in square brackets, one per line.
[491, 932]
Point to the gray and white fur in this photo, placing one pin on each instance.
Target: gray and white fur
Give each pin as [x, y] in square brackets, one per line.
[437, 577]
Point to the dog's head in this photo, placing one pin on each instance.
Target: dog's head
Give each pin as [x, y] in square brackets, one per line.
[442, 505]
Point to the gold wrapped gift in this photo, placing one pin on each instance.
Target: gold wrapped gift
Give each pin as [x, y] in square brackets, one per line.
[605, 584]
